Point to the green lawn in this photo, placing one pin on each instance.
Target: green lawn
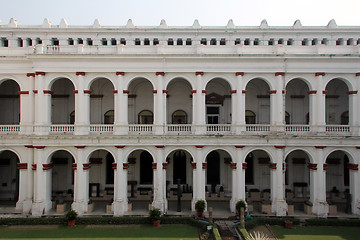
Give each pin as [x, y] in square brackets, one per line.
[317, 233]
[142, 232]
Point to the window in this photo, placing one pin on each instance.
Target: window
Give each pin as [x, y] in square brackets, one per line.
[290, 42]
[146, 41]
[109, 117]
[304, 42]
[324, 41]
[307, 118]
[345, 118]
[213, 41]
[5, 42]
[179, 41]
[340, 41]
[55, 41]
[38, 41]
[271, 42]
[104, 42]
[223, 41]
[350, 41]
[122, 41]
[155, 41]
[71, 41]
[89, 41]
[113, 41]
[188, 41]
[287, 118]
[247, 42]
[146, 117]
[80, 41]
[170, 41]
[250, 117]
[203, 41]
[179, 117]
[314, 41]
[137, 41]
[20, 42]
[256, 41]
[213, 114]
[72, 117]
[237, 41]
[29, 41]
[281, 41]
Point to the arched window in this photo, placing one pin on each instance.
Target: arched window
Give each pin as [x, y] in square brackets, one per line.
[109, 117]
[72, 117]
[287, 118]
[250, 117]
[146, 117]
[179, 117]
[345, 118]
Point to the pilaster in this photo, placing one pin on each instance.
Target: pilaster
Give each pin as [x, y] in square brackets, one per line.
[159, 104]
[81, 183]
[238, 178]
[198, 177]
[277, 103]
[199, 106]
[159, 181]
[82, 106]
[121, 101]
[238, 104]
[279, 205]
[27, 106]
[42, 105]
[120, 204]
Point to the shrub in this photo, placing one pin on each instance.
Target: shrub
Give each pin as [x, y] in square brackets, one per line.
[240, 204]
[154, 214]
[200, 205]
[71, 215]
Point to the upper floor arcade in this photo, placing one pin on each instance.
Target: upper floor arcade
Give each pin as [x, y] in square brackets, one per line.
[180, 103]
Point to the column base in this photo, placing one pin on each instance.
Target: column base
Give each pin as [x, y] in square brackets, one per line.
[280, 207]
[121, 129]
[160, 204]
[356, 207]
[80, 207]
[199, 129]
[24, 206]
[320, 209]
[81, 130]
[39, 208]
[119, 207]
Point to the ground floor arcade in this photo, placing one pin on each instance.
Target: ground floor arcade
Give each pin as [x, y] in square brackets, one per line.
[125, 180]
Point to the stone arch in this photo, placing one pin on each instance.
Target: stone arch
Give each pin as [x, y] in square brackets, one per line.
[10, 102]
[337, 100]
[12, 78]
[347, 82]
[174, 78]
[53, 151]
[262, 78]
[53, 78]
[220, 77]
[10, 190]
[141, 77]
[299, 78]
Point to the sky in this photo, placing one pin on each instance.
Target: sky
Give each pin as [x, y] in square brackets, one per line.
[182, 12]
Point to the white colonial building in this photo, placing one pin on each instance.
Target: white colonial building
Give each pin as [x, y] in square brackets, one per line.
[118, 114]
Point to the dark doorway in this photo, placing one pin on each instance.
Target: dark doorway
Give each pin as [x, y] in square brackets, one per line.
[179, 167]
[146, 172]
[249, 173]
[109, 169]
[213, 169]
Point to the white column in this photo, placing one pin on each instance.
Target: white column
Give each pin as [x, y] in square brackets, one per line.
[26, 182]
[238, 178]
[42, 184]
[199, 108]
[120, 204]
[42, 105]
[27, 106]
[318, 185]
[159, 107]
[121, 106]
[354, 185]
[81, 183]
[159, 184]
[82, 106]
[198, 178]
[354, 112]
[277, 103]
[239, 105]
[319, 105]
[278, 203]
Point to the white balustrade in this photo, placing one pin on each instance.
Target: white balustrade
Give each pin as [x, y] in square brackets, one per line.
[217, 128]
[337, 128]
[297, 128]
[101, 128]
[62, 128]
[9, 128]
[257, 128]
[179, 128]
[140, 128]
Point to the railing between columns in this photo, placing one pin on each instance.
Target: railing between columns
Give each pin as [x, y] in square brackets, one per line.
[9, 128]
[62, 128]
[102, 128]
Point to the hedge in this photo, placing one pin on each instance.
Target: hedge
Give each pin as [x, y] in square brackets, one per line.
[269, 220]
[332, 222]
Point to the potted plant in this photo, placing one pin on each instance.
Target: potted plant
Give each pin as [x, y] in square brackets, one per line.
[71, 217]
[240, 204]
[200, 207]
[154, 215]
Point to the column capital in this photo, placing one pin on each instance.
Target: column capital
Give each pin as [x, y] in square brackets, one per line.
[120, 73]
[239, 74]
[30, 74]
[272, 92]
[279, 74]
[312, 166]
[80, 73]
[352, 92]
[21, 166]
[40, 73]
[320, 147]
[319, 74]
[233, 91]
[312, 92]
[23, 92]
[272, 165]
[160, 74]
[199, 73]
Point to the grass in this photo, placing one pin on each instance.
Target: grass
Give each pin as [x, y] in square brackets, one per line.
[142, 232]
[317, 233]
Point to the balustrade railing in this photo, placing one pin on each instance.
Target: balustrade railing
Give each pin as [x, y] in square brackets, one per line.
[218, 127]
[61, 128]
[297, 128]
[257, 128]
[9, 128]
[140, 128]
[337, 128]
[101, 128]
[180, 128]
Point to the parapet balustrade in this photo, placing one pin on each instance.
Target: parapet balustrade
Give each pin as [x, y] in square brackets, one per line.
[175, 129]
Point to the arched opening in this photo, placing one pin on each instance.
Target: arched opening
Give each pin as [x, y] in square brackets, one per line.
[101, 100]
[338, 192]
[146, 117]
[140, 98]
[140, 180]
[179, 168]
[337, 101]
[257, 181]
[250, 117]
[179, 97]
[257, 100]
[109, 117]
[9, 175]
[62, 181]
[9, 103]
[179, 117]
[297, 180]
[296, 102]
[101, 180]
[218, 102]
[62, 101]
[218, 180]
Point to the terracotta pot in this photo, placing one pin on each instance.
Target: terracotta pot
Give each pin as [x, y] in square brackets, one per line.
[156, 223]
[71, 223]
[199, 214]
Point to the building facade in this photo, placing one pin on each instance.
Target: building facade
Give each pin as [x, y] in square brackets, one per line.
[121, 113]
